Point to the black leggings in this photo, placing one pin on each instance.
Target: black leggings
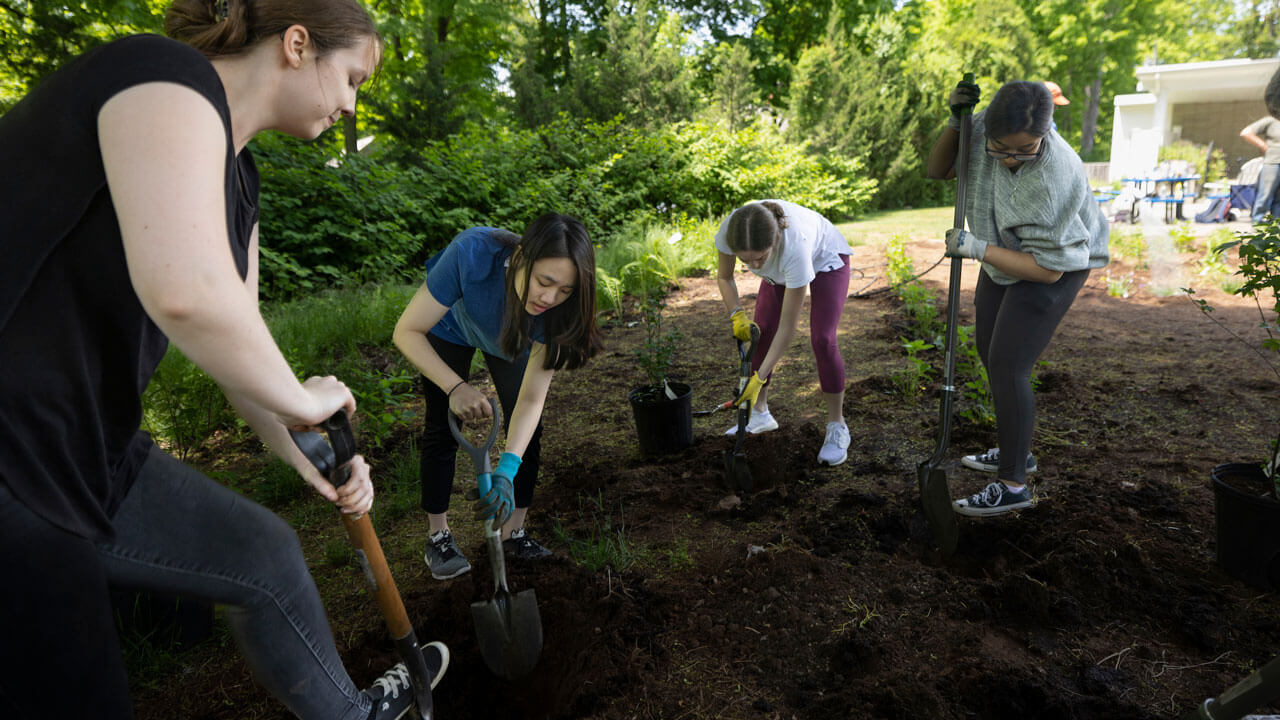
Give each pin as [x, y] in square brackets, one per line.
[439, 450]
[1014, 325]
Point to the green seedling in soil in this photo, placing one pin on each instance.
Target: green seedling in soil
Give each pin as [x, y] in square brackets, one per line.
[1129, 244]
[1184, 237]
[978, 407]
[658, 350]
[678, 557]
[909, 381]
[1119, 286]
[862, 615]
[337, 552]
[606, 545]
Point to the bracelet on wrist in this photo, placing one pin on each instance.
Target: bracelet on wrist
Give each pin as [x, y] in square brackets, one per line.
[455, 387]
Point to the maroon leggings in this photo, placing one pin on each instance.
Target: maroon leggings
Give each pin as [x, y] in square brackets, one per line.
[827, 295]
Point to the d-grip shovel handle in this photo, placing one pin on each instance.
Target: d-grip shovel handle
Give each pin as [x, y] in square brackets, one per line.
[745, 351]
[331, 459]
[480, 455]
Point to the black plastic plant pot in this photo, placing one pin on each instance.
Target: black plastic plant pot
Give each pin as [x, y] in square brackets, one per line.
[1248, 524]
[664, 425]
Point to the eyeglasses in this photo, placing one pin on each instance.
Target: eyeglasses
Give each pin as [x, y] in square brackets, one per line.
[1020, 157]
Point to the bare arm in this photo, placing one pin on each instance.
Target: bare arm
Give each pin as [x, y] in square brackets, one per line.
[1021, 265]
[410, 336]
[724, 280]
[530, 402]
[355, 497]
[164, 150]
[942, 156]
[792, 301]
[1252, 138]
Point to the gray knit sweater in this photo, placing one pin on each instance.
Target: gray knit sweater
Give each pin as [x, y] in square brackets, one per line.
[1046, 208]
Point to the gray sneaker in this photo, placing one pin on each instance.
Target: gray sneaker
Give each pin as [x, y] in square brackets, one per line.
[444, 558]
[989, 461]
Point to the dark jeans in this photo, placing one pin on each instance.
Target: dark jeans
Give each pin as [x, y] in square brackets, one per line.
[180, 533]
[1266, 202]
[439, 450]
[1014, 325]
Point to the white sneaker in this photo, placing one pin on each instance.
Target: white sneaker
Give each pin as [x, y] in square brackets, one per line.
[760, 422]
[835, 448]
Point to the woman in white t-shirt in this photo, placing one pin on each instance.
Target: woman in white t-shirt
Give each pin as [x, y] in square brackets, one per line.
[794, 250]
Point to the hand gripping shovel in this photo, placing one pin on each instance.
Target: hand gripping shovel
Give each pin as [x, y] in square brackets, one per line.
[736, 470]
[331, 461]
[935, 495]
[508, 627]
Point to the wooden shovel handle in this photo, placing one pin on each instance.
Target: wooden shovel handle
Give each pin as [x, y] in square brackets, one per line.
[378, 573]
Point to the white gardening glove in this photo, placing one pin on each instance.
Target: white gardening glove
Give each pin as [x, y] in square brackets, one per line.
[964, 244]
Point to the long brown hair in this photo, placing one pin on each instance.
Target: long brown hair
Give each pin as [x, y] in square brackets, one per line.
[755, 227]
[572, 334]
[331, 24]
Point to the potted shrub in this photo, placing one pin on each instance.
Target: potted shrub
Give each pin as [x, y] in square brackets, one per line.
[662, 409]
[1246, 498]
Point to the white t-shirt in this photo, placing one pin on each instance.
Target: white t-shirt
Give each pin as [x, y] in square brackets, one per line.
[810, 245]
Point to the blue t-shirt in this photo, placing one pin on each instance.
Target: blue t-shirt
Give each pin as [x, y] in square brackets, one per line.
[469, 277]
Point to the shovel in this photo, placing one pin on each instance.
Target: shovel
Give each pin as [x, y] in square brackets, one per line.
[508, 627]
[935, 495]
[736, 470]
[1259, 689]
[331, 461]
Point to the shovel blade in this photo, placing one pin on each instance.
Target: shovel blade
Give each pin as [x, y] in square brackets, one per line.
[509, 632]
[737, 472]
[935, 496]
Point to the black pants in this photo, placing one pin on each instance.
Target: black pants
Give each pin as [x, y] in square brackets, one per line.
[439, 450]
[1014, 325]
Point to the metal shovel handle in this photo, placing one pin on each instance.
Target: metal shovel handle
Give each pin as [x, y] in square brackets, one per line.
[479, 455]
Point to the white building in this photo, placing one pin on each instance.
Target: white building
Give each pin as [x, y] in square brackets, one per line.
[1199, 102]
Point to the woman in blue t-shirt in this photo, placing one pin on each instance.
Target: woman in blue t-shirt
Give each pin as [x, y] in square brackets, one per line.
[529, 305]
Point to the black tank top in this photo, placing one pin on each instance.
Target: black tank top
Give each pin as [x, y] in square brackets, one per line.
[76, 347]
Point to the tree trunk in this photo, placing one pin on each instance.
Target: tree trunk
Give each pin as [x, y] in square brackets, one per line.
[1089, 125]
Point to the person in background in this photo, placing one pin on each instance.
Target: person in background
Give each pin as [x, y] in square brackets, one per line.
[1264, 134]
[1034, 225]
[528, 303]
[794, 251]
[1058, 99]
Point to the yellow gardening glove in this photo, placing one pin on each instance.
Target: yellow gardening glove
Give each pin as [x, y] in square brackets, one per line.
[751, 392]
[741, 325]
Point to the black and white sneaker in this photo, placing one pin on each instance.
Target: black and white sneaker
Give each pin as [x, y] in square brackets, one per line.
[989, 461]
[995, 499]
[443, 556]
[392, 694]
[521, 546]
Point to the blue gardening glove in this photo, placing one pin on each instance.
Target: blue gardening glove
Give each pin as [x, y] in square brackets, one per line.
[751, 392]
[500, 499]
[964, 244]
[741, 325]
[964, 97]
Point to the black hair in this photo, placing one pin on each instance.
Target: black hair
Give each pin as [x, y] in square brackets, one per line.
[1020, 106]
[572, 334]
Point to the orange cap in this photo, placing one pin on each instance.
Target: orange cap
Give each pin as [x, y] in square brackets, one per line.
[1056, 92]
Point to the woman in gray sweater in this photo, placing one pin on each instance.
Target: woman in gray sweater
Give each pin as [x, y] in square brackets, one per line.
[1034, 225]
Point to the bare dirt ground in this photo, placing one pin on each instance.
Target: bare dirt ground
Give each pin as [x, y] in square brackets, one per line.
[820, 595]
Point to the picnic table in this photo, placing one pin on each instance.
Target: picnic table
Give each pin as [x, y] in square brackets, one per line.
[1169, 191]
